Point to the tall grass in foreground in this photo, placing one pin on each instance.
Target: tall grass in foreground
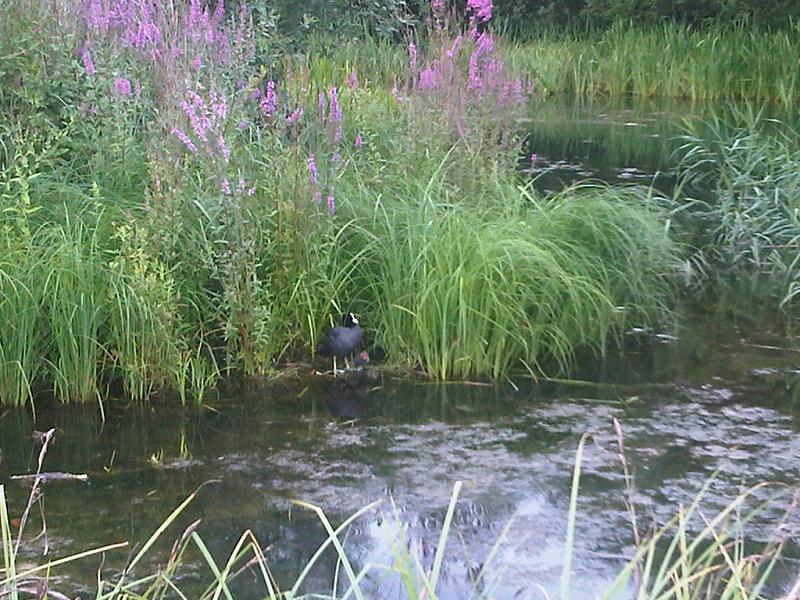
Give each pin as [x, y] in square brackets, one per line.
[695, 555]
[672, 60]
[750, 224]
[481, 291]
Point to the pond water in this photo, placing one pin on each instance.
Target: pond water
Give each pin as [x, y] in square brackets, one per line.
[713, 396]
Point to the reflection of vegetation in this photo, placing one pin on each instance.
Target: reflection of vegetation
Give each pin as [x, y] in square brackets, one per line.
[693, 556]
[607, 135]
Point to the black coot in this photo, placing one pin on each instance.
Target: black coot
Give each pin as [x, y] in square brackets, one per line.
[341, 341]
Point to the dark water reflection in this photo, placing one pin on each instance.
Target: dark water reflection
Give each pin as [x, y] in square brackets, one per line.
[625, 141]
[714, 400]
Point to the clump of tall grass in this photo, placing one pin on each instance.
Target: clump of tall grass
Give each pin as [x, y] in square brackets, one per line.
[478, 291]
[672, 60]
[750, 222]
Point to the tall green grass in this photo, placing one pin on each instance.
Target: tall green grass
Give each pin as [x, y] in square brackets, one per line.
[672, 61]
[21, 339]
[748, 227]
[481, 291]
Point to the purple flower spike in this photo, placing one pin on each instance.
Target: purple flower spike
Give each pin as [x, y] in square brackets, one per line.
[481, 10]
[226, 187]
[331, 205]
[88, 64]
[352, 80]
[359, 141]
[323, 106]
[312, 169]
[268, 100]
[122, 86]
[185, 140]
[295, 117]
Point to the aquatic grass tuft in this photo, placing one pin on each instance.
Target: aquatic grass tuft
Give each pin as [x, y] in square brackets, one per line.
[748, 228]
[73, 301]
[21, 340]
[481, 291]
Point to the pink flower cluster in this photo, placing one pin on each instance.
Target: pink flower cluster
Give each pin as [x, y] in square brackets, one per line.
[242, 189]
[207, 118]
[481, 11]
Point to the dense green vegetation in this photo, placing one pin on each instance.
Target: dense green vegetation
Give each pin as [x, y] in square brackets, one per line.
[170, 210]
[183, 195]
[669, 60]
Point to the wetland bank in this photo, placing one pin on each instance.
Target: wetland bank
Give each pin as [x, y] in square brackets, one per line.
[191, 198]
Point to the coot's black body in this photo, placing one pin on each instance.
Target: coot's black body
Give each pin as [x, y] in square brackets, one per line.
[342, 340]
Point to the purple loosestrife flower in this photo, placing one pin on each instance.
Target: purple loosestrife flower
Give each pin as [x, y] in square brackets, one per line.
[122, 86]
[295, 117]
[219, 105]
[438, 9]
[226, 187]
[431, 78]
[334, 114]
[223, 147]
[185, 140]
[331, 205]
[396, 93]
[88, 64]
[481, 10]
[312, 169]
[96, 17]
[199, 122]
[352, 80]
[359, 141]
[219, 12]
[268, 100]
[323, 106]
[455, 48]
[412, 56]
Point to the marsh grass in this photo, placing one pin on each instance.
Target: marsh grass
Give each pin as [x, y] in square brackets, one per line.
[695, 555]
[21, 340]
[74, 297]
[749, 225]
[672, 60]
[481, 291]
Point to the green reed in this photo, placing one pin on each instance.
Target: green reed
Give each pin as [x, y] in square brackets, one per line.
[74, 297]
[748, 229]
[668, 61]
[21, 340]
[480, 291]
